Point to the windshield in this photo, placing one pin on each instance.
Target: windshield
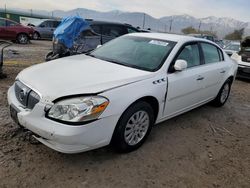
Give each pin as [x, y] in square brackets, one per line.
[138, 52]
[234, 47]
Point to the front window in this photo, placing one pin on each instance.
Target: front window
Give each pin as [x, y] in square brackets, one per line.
[138, 52]
[191, 55]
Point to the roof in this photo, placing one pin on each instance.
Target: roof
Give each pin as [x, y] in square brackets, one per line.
[106, 22]
[169, 37]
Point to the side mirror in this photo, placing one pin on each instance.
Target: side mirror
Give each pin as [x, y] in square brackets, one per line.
[98, 46]
[180, 65]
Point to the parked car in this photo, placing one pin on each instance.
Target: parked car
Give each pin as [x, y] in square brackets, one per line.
[10, 30]
[232, 47]
[116, 93]
[243, 59]
[46, 29]
[83, 41]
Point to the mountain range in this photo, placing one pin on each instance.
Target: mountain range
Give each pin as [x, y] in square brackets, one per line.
[221, 26]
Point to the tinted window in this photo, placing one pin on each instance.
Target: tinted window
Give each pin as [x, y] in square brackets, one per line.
[56, 23]
[96, 28]
[113, 30]
[131, 30]
[10, 23]
[2, 23]
[211, 54]
[138, 52]
[191, 54]
[47, 24]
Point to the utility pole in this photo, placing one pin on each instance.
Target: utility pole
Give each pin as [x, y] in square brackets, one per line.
[143, 24]
[199, 27]
[5, 10]
[31, 12]
[52, 14]
[170, 26]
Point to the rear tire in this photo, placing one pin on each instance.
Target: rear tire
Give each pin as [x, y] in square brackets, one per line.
[223, 94]
[133, 127]
[22, 38]
[36, 36]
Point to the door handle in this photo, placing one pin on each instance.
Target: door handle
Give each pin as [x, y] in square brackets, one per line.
[222, 72]
[200, 78]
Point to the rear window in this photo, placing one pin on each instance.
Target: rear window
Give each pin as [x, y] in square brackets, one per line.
[2, 22]
[10, 23]
[96, 28]
[211, 53]
[113, 30]
[56, 24]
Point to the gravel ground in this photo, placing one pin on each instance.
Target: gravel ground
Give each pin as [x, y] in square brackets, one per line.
[207, 147]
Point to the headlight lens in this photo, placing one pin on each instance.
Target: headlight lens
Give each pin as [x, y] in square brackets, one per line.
[80, 109]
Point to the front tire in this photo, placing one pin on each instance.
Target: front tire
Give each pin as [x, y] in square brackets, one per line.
[133, 127]
[223, 94]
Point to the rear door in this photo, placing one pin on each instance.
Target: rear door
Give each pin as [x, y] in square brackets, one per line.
[213, 71]
[45, 29]
[12, 29]
[3, 34]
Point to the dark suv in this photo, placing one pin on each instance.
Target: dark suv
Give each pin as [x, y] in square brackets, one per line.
[110, 30]
[97, 34]
[45, 29]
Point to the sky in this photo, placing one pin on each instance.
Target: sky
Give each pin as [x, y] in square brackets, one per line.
[237, 9]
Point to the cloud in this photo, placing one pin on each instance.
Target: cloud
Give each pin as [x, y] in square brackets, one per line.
[198, 8]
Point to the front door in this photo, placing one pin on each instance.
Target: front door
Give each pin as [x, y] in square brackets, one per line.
[185, 87]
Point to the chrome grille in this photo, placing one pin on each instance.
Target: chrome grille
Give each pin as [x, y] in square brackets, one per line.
[27, 97]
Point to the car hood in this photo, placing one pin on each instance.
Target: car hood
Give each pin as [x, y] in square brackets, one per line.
[78, 74]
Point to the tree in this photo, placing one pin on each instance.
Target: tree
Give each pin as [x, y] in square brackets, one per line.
[236, 35]
[189, 30]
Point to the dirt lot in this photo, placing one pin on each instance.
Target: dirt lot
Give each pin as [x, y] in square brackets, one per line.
[207, 147]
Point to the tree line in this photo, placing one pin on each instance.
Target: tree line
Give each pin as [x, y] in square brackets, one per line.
[237, 34]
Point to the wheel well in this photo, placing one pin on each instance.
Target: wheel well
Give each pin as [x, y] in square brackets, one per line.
[231, 79]
[37, 33]
[153, 103]
[22, 33]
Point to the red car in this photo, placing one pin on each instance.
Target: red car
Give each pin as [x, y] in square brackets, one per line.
[10, 30]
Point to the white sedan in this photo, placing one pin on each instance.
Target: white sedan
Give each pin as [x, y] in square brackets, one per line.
[115, 94]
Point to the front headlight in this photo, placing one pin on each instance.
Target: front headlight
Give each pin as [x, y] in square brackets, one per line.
[77, 110]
